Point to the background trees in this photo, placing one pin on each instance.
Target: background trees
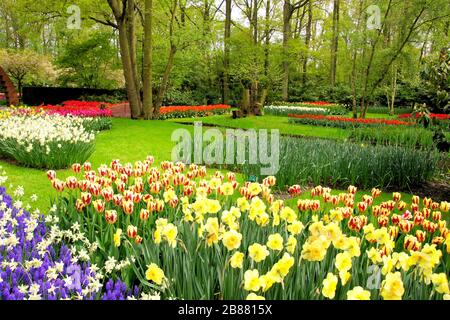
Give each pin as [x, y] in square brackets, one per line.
[209, 51]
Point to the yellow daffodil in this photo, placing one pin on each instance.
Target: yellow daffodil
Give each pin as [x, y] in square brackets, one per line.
[283, 265]
[392, 287]
[251, 280]
[329, 286]
[295, 227]
[267, 281]
[440, 283]
[343, 261]
[155, 274]
[243, 204]
[374, 255]
[253, 296]
[232, 239]
[254, 188]
[358, 293]
[170, 233]
[275, 242]
[117, 237]
[344, 276]
[237, 260]
[291, 244]
[258, 252]
[288, 215]
[315, 250]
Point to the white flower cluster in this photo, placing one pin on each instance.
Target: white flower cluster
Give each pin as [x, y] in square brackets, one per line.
[44, 130]
[296, 110]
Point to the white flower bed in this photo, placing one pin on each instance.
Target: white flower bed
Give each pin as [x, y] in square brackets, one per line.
[285, 110]
[46, 141]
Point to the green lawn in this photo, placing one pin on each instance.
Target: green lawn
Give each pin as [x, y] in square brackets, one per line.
[270, 122]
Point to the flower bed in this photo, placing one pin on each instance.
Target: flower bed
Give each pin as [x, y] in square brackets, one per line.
[438, 116]
[342, 122]
[49, 141]
[37, 264]
[286, 110]
[76, 111]
[198, 238]
[193, 111]
[308, 104]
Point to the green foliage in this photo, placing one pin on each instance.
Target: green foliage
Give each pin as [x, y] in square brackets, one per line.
[176, 97]
[26, 67]
[415, 138]
[98, 124]
[385, 110]
[90, 62]
[117, 97]
[436, 81]
[314, 161]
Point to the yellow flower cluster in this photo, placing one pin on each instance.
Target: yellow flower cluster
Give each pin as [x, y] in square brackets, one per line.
[247, 228]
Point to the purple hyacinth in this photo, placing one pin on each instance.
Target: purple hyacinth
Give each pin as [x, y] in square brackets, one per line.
[27, 273]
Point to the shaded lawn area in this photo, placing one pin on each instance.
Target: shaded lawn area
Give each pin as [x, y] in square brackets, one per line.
[131, 141]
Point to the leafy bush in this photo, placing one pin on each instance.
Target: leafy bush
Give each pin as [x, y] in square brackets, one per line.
[305, 161]
[117, 97]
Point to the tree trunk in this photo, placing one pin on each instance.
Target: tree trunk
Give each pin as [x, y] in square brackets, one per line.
[131, 35]
[255, 22]
[245, 103]
[267, 39]
[364, 105]
[226, 60]
[165, 81]
[334, 42]
[147, 66]
[394, 92]
[130, 81]
[354, 57]
[307, 41]
[287, 14]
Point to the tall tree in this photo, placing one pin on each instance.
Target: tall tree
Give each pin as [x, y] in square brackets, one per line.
[288, 10]
[226, 60]
[148, 61]
[334, 42]
[308, 35]
[120, 10]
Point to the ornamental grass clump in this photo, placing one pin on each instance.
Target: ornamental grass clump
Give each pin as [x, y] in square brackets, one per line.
[414, 138]
[317, 161]
[46, 141]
